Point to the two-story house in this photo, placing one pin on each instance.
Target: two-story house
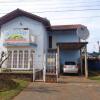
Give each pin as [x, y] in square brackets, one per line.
[29, 37]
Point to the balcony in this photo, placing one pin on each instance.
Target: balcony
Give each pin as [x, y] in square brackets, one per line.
[20, 37]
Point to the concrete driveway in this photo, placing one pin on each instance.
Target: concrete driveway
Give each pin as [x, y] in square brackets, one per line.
[68, 88]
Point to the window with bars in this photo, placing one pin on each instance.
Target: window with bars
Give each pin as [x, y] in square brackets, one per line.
[20, 59]
[26, 59]
[31, 62]
[9, 59]
[15, 59]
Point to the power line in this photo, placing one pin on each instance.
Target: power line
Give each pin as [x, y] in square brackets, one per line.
[78, 17]
[70, 10]
[70, 2]
[73, 17]
[65, 6]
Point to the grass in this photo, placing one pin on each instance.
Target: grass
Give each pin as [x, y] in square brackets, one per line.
[94, 76]
[11, 91]
[5, 70]
[97, 78]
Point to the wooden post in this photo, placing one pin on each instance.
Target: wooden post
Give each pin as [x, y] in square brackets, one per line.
[86, 64]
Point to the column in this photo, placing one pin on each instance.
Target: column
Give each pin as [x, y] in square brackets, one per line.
[44, 71]
[29, 58]
[81, 64]
[23, 60]
[12, 59]
[57, 66]
[33, 66]
[86, 64]
[17, 59]
[58, 51]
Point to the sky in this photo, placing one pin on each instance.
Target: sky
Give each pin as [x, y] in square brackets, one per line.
[62, 12]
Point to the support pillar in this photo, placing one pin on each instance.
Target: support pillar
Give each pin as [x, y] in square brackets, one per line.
[86, 64]
[12, 59]
[57, 66]
[81, 63]
[18, 58]
[29, 58]
[33, 67]
[23, 59]
[58, 52]
[44, 69]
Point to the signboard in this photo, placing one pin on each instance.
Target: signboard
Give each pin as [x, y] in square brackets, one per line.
[19, 35]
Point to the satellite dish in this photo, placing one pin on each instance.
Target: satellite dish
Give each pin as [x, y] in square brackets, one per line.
[83, 33]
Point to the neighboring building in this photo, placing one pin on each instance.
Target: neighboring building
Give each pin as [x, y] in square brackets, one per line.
[29, 37]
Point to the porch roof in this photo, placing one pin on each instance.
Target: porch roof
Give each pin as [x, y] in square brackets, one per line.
[71, 45]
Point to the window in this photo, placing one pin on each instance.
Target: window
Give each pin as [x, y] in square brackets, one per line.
[69, 63]
[50, 41]
[31, 62]
[26, 59]
[15, 59]
[9, 59]
[20, 59]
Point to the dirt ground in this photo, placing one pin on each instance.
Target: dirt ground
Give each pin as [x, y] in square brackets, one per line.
[68, 88]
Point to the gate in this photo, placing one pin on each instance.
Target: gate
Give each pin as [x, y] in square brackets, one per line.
[38, 68]
[51, 74]
[49, 68]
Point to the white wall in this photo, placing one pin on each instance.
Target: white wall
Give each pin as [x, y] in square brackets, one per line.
[36, 28]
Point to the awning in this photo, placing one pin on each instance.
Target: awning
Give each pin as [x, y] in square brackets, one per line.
[72, 45]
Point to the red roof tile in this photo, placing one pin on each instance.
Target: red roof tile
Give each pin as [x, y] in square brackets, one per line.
[19, 12]
[66, 27]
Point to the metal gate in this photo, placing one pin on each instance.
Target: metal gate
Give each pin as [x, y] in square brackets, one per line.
[37, 68]
[50, 66]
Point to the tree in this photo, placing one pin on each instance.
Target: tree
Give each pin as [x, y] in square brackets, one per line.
[3, 57]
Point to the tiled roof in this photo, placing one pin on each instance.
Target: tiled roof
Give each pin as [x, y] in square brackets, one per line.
[66, 27]
[19, 12]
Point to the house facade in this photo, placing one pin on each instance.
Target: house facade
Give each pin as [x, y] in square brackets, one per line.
[28, 38]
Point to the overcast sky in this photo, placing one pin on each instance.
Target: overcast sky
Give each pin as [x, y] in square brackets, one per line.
[62, 12]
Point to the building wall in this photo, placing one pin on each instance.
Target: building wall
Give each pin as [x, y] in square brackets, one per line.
[36, 28]
[63, 36]
[72, 55]
[66, 36]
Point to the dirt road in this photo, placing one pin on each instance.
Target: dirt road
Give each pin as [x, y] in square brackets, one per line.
[68, 88]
